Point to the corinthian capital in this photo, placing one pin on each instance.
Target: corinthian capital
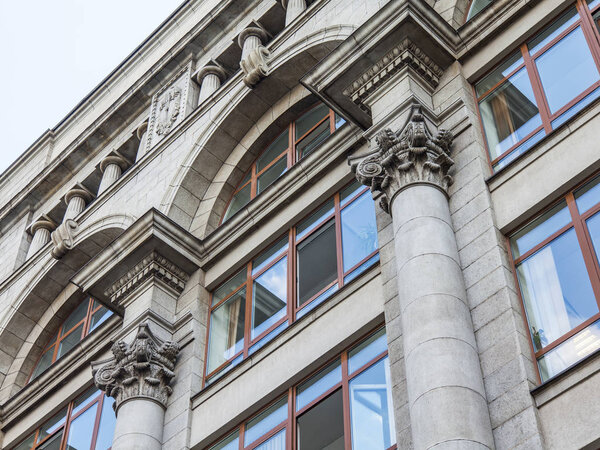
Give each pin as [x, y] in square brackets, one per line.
[409, 156]
[142, 369]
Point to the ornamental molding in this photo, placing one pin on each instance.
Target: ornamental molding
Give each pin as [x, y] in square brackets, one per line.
[152, 266]
[169, 106]
[406, 54]
[63, 238]
[410, 156]
[140, 370]
[256, 65]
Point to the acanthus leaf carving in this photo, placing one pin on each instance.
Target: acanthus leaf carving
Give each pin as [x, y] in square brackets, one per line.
[142, 369]
[411, 156]
[63, 238]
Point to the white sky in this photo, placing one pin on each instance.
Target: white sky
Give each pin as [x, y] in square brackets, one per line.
[54, 52]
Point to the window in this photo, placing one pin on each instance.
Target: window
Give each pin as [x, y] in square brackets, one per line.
[476, 6]
[556, 260]
[538, 88]
[345, 405]
[298, 140]
[88, 422]
[314, 259]
[88, 315]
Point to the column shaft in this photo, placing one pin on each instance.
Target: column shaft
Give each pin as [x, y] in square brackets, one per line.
[251, 42]
[294, 9]
[210, 83]
[448, 408]
[142, 134]
[139, 425]
[40, 238]
[74, 208]
[112, 173]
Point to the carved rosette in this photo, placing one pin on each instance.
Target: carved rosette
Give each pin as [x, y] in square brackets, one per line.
[411, 156]
[143, 369]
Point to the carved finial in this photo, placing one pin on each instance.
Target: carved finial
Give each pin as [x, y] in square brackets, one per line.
[142, 369]
[411, 156]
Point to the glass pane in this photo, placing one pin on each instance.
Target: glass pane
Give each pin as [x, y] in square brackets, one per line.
[229, 286]
[99, 317]
[566, 70]
[226, 330]
[364, 352]
[69, 341]
[265, 421]
[271, 174]
[359, 231]
[318, 384]
[556, 290]
[371, 411]
[27, 444]
[593, 3]
[339, 121]
[509, 113]
[309, 224]
[588, 196]
[349, 192]
[269, 255]
[520, 149]
[106, 430]
[277, 442]
[268, 337]
[499, 73]
[75, 317]
[313, 140]
[477, 6]
[316, 301]
[576, 108]
[569, 352]
[269, 297]
[322, 427]
[229, 443]
[44, 362]
[239, 200]
[317, 262]
[273, 151]
[310, 119]
[552, 32]
[53, 443]
[53, 424]
[84, 399]
[541, 228]
[593, 224]
[81, 430]
[360, 269]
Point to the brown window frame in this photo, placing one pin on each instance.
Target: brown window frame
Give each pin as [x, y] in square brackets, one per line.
[290, 423]
[290, 153]
[292, 307]
[61, 334]
[592, 36]
[591, 262]
[69, 418]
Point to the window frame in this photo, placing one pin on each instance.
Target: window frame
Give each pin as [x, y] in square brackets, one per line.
[290, 424]
[68, 420]
[56, 340]
[292, 308]
[289, 153]
[592, 36]
[592, 265]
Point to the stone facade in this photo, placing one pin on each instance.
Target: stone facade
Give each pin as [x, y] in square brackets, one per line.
[123, 201]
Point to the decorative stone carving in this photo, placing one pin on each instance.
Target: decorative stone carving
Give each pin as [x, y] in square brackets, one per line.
[63, 238]
[169, 107]
[143, 369]
[411, 156]
[153, 265]
[406, 54]
[255, 56]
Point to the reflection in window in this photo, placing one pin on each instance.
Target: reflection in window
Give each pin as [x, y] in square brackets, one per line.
[557, 272]
[331, 247]
[88, 316]
[88, 422]
[300, 138]
[564, 68]
[321, 404]
[476, 7]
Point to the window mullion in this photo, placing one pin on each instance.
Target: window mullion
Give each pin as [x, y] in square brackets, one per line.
[346, 402]
[590, 30]
[248, 314]
[538, 91]
[63, 444]
[289, 437]
[338, 239]
[97, 420]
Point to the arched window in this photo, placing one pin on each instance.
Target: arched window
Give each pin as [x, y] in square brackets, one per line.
[86, 422]
[476, 7]
[82, 321]
[298, 140]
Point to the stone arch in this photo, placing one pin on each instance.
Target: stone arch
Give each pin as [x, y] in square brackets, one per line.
[230, 143]
[46, 301]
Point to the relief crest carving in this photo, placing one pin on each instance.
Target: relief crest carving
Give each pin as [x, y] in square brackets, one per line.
[168, 110]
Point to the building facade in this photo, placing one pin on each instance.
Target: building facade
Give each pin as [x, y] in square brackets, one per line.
[326, 224]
